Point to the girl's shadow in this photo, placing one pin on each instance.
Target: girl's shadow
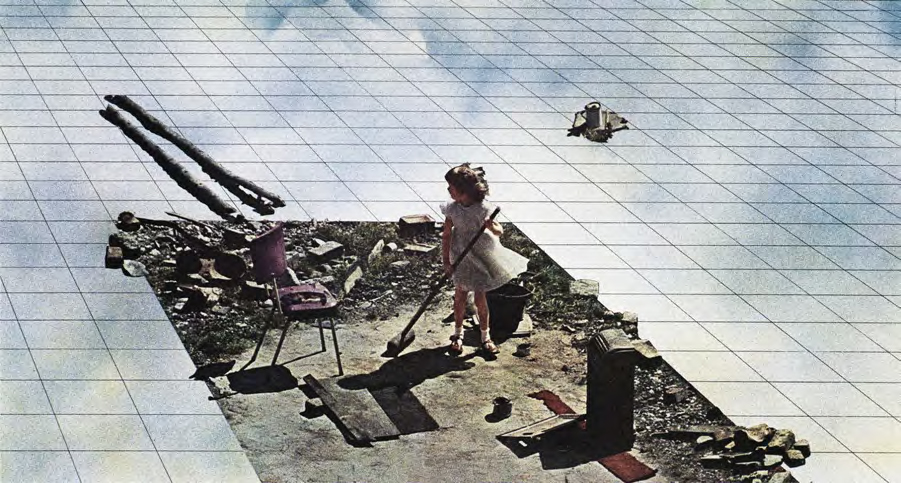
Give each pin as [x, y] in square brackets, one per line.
[410, 370]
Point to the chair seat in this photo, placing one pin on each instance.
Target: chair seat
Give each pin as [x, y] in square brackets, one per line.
[307, 300]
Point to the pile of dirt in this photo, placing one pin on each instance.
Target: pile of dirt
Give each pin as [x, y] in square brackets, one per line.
[394, 280]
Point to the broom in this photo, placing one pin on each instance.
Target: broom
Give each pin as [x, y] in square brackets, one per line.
[403, 340]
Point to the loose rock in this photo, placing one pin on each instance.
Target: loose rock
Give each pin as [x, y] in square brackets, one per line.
[376, 251]
[585, 288]
[329, 250]
[675, 395]
[782, 440]
[134, 269]
[794, 458]
[803, 446]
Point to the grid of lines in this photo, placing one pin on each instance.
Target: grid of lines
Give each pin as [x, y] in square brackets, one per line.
[752, 216]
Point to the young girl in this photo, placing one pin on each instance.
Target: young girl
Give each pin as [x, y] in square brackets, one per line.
[488, 265]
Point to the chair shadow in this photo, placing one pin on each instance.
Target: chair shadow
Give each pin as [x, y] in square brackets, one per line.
[264, 379]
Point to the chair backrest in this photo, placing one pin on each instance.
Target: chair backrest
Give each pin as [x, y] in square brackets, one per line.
[268, 254]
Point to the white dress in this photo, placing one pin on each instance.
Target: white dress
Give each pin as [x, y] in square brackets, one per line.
[489, 264]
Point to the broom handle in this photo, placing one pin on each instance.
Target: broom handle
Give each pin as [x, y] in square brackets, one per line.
[444, 277]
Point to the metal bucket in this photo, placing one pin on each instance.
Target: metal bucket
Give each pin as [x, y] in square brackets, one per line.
[268, 254]
[506, 304]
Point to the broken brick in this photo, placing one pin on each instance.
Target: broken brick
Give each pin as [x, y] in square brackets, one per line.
[114, 257]
[415, 225]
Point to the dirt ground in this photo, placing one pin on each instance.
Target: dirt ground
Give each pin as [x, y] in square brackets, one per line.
[285, 447]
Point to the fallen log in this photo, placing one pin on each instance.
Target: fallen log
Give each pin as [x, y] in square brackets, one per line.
[175, 170]
[220, 174]
[200, 245]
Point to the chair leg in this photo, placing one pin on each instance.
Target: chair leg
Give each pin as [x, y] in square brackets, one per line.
[278, 305]
[337, 351]
[256, 350]
[321, 336]
[281, 341]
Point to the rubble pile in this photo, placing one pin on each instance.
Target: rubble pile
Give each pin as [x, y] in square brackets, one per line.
[755, 453]
[202, 271]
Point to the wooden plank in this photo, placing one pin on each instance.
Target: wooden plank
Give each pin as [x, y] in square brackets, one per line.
[357, 411]
[543, 427]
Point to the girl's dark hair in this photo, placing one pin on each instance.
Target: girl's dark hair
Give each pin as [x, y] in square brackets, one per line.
[470, 181]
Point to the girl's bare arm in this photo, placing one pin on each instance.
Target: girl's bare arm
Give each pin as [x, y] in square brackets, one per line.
[446, 241]
[494, 227]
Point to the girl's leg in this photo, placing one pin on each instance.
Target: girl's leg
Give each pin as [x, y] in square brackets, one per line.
[459, 314]
[484, 324]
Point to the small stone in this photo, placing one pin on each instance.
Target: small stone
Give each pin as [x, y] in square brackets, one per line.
[418, 249]
[197, 279]
[794, 458]
[646, 349]
[675, 395]
[772, 460]
[803, 446]
[703, 442]
[289, 278]
[127, 221]
[154, 253]
[585, 288]
[114, 257]
[629, 318]
[783, 477]
[268, 303]
[355, 274]
[134, 269]
[400, 263]
[741, 457]
[376, 251]
[782, 440]
[318, 242]
[753, 436]
[327, 251]
[391, 247]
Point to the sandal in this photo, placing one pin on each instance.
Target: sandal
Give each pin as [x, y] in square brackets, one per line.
[456, 345]
[489, 347]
